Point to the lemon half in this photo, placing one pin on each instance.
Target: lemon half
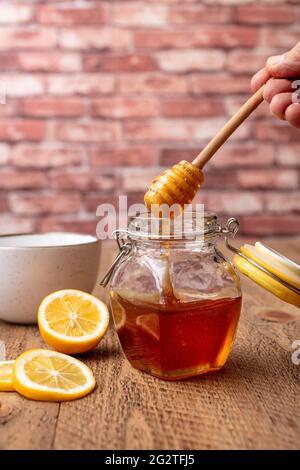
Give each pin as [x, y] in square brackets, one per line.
[72, 321]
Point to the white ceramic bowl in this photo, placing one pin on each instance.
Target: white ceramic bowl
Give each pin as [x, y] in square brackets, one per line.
[34, 265]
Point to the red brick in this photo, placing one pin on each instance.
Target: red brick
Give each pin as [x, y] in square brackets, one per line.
[224, 179]
[35, 156]
[221, 83]
[191, 59]
[80, 84]
[10, 179]
[19, 85]
[277, 131]
[271, 178]
[235, 2]
[263, 14]
[53, 61]
[138, 14]
[17, 130]
[280, 202]
[198, 14]
[133, 156]
[15, 224]
[289, 155]
[234, 103]
[243, 61]
[93, 38]
[207, 36]
[263, 225]
[2, 203]
[92, 201]
[171, 156]
[135, 180]
[65, 202]
[15, 12]
[86, 224]
[192, 107]
[4, 154]
[244, 155]
[124, 108]
[97, 131]
[102, 182]
[27, 38]
[11, 108]
[135, 198]
[178, 130]
[152, 83]
[274, 37]
[9, 61]
[81, 180]
[96, 62]
[230, 202]
[69, 180]
[66, 15]
[172, 129]
[51, 107]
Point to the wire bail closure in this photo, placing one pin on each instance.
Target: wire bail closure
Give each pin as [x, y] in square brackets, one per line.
[124, 250]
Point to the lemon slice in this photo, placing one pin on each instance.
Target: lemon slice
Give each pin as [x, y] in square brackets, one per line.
[6, 376]
[72, 321]
[46, 375]
[149, 324]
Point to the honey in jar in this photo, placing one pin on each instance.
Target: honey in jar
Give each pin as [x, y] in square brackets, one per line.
[189, 330]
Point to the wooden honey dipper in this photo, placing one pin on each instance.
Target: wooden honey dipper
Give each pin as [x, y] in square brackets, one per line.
[179, 184]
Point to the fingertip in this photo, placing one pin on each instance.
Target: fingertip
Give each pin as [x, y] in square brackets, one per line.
[279, 104]
[292, 114]
[276, 86]
[259, 79]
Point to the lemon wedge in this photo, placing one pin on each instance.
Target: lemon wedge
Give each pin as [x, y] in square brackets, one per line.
[72, 321]
[40, 374]
[6, 376]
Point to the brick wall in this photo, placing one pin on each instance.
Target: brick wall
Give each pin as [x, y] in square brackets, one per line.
[101, 95]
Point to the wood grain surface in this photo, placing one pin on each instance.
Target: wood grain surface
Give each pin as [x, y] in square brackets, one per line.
[253, 403]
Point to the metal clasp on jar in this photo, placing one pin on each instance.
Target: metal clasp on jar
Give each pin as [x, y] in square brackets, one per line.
[124, 247]
[230, 230]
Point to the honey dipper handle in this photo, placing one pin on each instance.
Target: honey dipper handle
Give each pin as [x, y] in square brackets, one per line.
[229, 128]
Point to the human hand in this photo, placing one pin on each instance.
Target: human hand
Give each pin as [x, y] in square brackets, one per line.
[281, 73]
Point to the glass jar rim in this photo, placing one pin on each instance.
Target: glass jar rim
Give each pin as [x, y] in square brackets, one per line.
[189, 225]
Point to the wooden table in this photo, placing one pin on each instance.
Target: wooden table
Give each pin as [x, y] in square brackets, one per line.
[253, 403]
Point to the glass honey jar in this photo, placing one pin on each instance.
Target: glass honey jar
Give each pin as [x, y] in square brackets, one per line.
[175, 299]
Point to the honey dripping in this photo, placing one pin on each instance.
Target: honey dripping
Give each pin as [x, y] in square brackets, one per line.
[167, 293]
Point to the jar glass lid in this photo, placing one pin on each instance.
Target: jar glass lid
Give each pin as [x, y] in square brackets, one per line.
[189, 225]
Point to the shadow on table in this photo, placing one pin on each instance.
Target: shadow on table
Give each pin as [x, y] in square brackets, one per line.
[250, 367]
